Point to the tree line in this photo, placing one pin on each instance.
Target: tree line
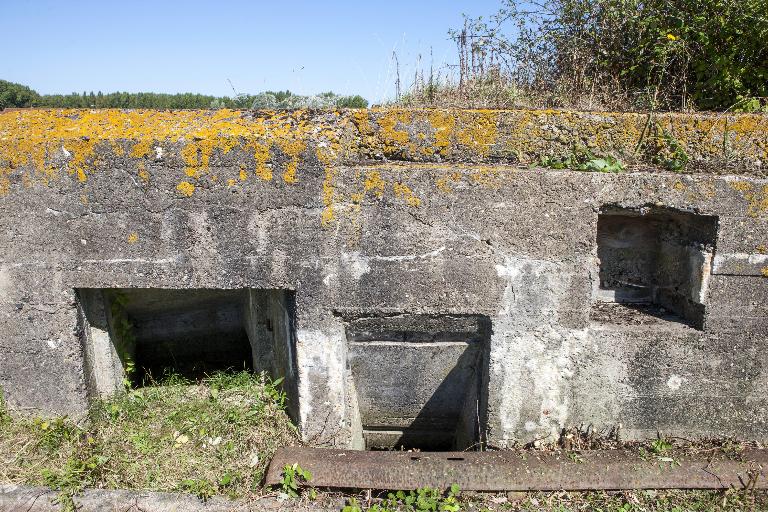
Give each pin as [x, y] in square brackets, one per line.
[14, 95]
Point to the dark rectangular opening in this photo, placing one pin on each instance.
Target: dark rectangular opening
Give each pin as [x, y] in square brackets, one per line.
[656, 260]
[421, 380]
[192, 332]
[143, 334]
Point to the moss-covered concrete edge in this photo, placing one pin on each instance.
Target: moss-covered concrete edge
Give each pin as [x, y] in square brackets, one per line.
[41, 146]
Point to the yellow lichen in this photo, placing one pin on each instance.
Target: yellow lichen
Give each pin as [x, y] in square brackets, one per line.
[133, 238]
[329, 191]
[40, 147]
[404, 192]
[741, 186]
[186, 188]
[293, 149]
[764, 271]
[478, 130]
[261, 154]
[443, 124]
[394, 137]
[374, 183]
[757, 199]
[141, 148]
[443, 182]
[143, 173]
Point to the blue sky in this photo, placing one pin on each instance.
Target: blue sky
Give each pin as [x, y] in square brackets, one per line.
[174, 46]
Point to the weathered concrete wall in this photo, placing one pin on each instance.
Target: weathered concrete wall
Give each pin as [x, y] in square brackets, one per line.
[297, 202]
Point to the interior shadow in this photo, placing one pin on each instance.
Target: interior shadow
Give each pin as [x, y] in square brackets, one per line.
[421, 380]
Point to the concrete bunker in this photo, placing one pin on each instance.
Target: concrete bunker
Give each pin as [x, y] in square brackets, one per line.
[657, 260]
[135, 333]
[421, 381]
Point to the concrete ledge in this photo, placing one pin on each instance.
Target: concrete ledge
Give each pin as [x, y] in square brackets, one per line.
[45, 145]
[18, 498]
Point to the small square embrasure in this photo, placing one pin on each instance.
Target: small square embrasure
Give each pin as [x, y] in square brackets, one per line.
[660, 257]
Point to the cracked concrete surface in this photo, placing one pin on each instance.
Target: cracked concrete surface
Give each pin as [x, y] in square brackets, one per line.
[513, 244]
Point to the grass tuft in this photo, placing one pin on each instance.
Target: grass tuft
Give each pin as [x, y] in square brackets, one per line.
[210, 437]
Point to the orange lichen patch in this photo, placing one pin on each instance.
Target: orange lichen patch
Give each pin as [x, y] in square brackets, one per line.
[30, 138]
[261, 154]
[133, 238]
[486, 176]
[243, 175]
[293, 149]
[443, 123]
[186, 188]
[325, 155]
[443, 183]
[392, 132]
[741, 186]
[741, 132]
[758, 202]
[117, 148]
[5, 184]
[756, 197]
[404, 192]
[478, 130]
[362, 122]
[374, 183]
[141, 148]
[143, 173]
[44, 146]
[231, 182]
[329, 192]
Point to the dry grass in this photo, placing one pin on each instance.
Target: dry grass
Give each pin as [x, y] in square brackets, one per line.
[494, 90]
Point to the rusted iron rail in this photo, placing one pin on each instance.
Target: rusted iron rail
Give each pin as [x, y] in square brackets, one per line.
[524, 470]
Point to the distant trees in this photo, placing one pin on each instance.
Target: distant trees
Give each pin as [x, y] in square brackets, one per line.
[288, 100]
[19, 96]
[16, 95]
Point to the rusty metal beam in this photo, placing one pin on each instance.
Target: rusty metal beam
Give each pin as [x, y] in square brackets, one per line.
[523, 470]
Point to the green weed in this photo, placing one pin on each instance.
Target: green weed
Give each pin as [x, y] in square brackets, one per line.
[293, 477]
[669, 153]
[423, 499]
[660, 446]
[583, 160]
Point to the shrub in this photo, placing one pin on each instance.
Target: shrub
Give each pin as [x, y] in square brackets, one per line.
[630, 54]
